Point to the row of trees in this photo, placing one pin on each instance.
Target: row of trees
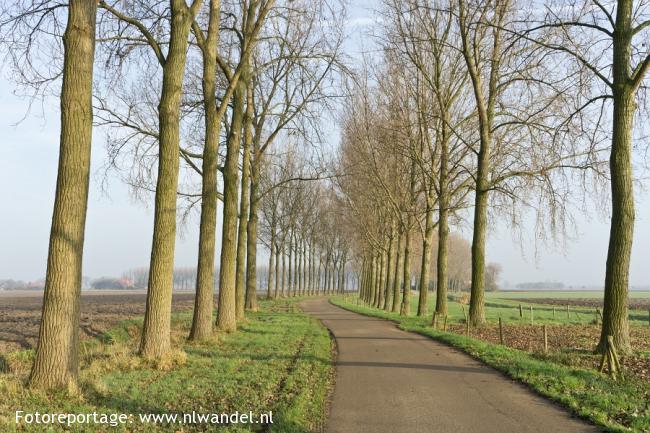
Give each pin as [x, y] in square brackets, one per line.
[481, 105]
[193, 96]
[499, 109]
[301, 228]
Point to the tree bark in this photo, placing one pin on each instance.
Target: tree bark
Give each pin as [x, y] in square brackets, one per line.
[319, 276]
[425, 263]
[277, 272]
[57, 359]
[397, 284]
[269, 281]
[477, 303]
[443, 252]
[374, 280]
[204, 298]
[227, 312]
[615, 307]
[406, 294]
[284, 267]
[388, 288]
[382, 279]
[299, 267]
[244, 203]
[155, 340]
[289, 273]
[251, 257]
[305, 269]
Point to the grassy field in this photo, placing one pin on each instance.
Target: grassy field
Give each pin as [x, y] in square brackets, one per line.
[560, 294]
[279, 360]
[619, 406]
[508, 310]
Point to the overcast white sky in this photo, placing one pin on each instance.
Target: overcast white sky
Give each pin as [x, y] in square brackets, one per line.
[118, 233]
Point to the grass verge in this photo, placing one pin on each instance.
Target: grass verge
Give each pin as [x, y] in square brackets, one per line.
[279, 360]
[619, 406]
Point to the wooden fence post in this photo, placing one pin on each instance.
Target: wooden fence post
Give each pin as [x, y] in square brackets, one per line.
[553, 312]
[567, 311]
[500, 331]
[521, 312]
[545, 340]
[531, 315]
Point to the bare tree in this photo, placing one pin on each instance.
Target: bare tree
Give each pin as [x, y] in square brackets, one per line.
[606, 44]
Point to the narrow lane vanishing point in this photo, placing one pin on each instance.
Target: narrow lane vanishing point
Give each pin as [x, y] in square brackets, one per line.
[392, 381]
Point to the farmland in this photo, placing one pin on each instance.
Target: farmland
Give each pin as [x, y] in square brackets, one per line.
[278, 361]
[20, 313]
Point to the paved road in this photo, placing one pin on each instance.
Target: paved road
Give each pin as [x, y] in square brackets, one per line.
[392, 381]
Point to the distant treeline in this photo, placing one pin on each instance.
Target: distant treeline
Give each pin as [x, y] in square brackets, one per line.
[21, 285]
[184, 279]
[541, 285]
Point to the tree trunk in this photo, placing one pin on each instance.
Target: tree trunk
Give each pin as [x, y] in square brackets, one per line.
[57, 360]
[289, 273]
[305, 281]
[284, 276]
[319, 276]
[242, 232]
[406, 294]
[311, 267]
[326, 274]
[227, 312]
[155, 340]
[615, 307]
[270, 275]
[477, 303]
[365, 280]
[443, 248]
[388, 288]
[382, 279]
[425, 263]
[485, 110]
[374, 280]
[299, 267]
[398, 274]
[296, 270]
[443, 222]
[204, 297]
[277, 271]
[251, 264]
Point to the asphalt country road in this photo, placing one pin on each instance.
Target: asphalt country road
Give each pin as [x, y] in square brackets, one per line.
[393, 381]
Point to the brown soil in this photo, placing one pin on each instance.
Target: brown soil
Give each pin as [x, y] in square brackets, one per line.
[570, 344]
[20, 314]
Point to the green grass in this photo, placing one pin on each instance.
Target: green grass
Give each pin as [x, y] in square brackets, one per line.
[560, 294]
[279, 360]
[508, 310]
[619, 406]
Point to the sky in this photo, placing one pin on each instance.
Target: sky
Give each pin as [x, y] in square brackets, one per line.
[118, 231]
